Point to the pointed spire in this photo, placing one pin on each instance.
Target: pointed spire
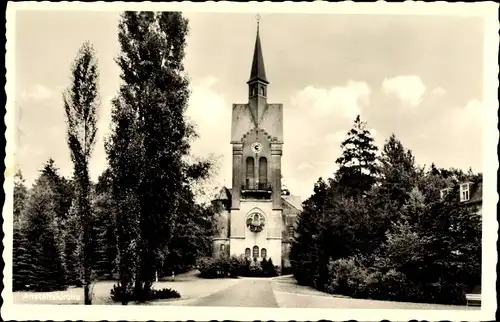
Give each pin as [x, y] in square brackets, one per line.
[258, 71]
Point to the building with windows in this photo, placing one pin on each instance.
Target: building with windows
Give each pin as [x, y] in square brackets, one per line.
[470, 194]
[258, 216]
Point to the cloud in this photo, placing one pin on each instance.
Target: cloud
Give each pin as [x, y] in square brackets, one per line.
[409, 88]
[304, 166]
[344, 101]
[466, 119]
[37, 93]
[314, 127]
[439, 91]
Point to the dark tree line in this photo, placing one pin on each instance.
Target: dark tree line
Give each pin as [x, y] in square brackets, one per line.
[379, 228]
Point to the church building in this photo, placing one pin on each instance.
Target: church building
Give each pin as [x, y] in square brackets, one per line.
[258, 216]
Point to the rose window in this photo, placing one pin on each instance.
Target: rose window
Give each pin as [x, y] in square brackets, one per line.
[255, 222]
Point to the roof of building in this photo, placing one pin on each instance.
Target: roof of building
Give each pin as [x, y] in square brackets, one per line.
[258, 71]
[293, 201]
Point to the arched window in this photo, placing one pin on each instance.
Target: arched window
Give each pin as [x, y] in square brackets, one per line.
[222, 248]
[254, 91]
[263, 253]
[247, 253]
[255, 251]
[250, 171]
[262, 91]
[263, 172]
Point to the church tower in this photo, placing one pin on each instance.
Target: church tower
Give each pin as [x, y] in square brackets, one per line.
[255, 216]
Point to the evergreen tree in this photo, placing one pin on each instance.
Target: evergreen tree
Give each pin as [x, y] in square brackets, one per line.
[20, 194]
[81, 103]
[150, 129]
[20, 261]
[399, 174]
[63, 190]
[357, 166]
[41, 260]
[305, 251]
[20, 198]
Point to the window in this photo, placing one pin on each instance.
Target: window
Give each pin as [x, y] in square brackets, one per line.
[222, 248]
[247, 253]
[250, 171]
[290, 231]
[255, 251]
[444, 192]
[262, 91]
[464, 192]
[255, 222]
[254, 91]
[263, 172]
[263, 253]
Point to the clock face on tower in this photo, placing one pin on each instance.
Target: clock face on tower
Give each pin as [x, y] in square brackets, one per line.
[256, 147]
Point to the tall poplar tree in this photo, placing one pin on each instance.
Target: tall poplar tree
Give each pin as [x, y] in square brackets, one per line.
[149, 143]
[81, 103]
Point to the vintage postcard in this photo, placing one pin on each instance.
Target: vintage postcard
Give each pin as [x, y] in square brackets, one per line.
[251, 161]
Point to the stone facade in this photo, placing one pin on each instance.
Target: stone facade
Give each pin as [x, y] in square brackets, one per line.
[257, 217]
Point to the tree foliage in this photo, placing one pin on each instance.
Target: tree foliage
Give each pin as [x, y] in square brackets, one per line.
[150, 128]
[20, 194]
[357, 167]
[385, 232]
[81, 103]
[41, 262]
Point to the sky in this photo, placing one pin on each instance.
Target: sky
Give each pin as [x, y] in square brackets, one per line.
[419, 77]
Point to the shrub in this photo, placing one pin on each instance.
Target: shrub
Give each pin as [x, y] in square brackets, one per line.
[118, 294]
[268, 268]
[348, 278]
[218, 267]
[255, 268]
[235, 266]
[164, 293]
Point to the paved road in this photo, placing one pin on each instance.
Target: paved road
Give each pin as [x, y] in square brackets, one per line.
[247, 293]
[283, 292]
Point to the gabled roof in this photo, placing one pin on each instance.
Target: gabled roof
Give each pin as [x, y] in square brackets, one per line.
[223, 194]
[293, 201]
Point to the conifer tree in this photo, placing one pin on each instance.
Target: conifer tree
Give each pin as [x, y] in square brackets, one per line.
[20, 194]
[305, 251]
[81, 103]
[41, 264]
[20, 198]
[399, 174]
[357, 166]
